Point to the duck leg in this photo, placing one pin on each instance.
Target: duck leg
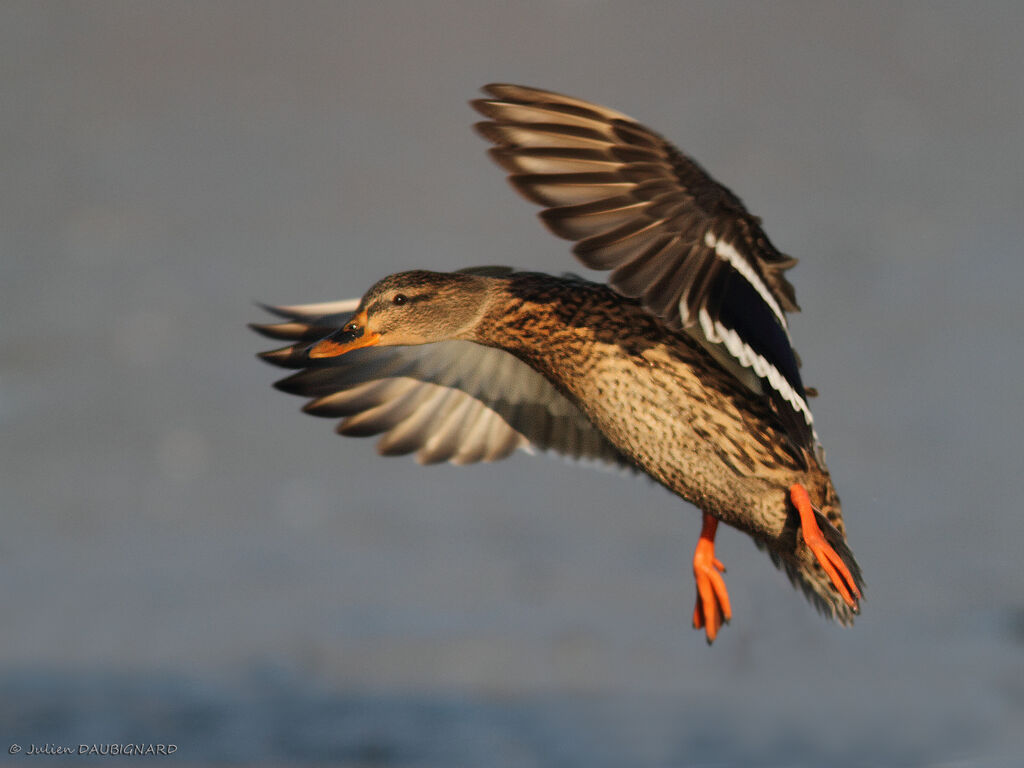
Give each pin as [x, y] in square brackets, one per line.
[834, 566]
[712, 598]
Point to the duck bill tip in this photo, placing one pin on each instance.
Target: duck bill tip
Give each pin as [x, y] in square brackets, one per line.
[330, 347]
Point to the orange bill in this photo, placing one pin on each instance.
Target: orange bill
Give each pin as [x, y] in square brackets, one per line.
[353, 336]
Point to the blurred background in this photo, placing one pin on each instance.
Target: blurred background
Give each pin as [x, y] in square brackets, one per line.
[187, 559]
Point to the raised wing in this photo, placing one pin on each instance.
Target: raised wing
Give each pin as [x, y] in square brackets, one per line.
[670, 234]
[453, 401]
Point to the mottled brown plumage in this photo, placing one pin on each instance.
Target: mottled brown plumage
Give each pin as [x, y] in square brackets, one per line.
[471, 365]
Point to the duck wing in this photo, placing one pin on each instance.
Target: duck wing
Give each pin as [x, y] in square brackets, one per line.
[669, 234]
[454, 401]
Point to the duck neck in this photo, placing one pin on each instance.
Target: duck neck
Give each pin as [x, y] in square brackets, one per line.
[531, 315]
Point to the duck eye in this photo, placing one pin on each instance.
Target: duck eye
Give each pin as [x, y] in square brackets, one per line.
[399, 299]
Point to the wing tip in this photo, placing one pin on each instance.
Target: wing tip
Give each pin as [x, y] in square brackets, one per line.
[285, 357]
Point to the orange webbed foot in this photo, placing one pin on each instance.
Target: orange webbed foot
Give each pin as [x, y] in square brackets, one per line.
[833, 565]
[712, 598]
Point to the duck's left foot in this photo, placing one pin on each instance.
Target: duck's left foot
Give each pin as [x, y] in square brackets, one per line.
[712, 598]
[827, 557]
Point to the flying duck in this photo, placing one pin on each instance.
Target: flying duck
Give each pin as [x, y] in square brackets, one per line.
[680, 367]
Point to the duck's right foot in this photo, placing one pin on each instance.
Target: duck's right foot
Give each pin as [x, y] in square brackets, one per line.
[828, 558]
[712, 598]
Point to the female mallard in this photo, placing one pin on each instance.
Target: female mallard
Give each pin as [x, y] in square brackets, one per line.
[682, 368]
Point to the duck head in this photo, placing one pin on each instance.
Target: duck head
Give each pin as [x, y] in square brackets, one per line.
[417, 307]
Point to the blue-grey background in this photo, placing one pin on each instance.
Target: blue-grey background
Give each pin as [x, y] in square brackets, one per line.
[186, 558]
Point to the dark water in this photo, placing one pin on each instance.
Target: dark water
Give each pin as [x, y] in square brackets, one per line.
[187, 559]
[272, 716]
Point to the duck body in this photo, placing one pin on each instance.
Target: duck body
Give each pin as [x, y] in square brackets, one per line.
[656, 394]
[681, 367]
[666, 405]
